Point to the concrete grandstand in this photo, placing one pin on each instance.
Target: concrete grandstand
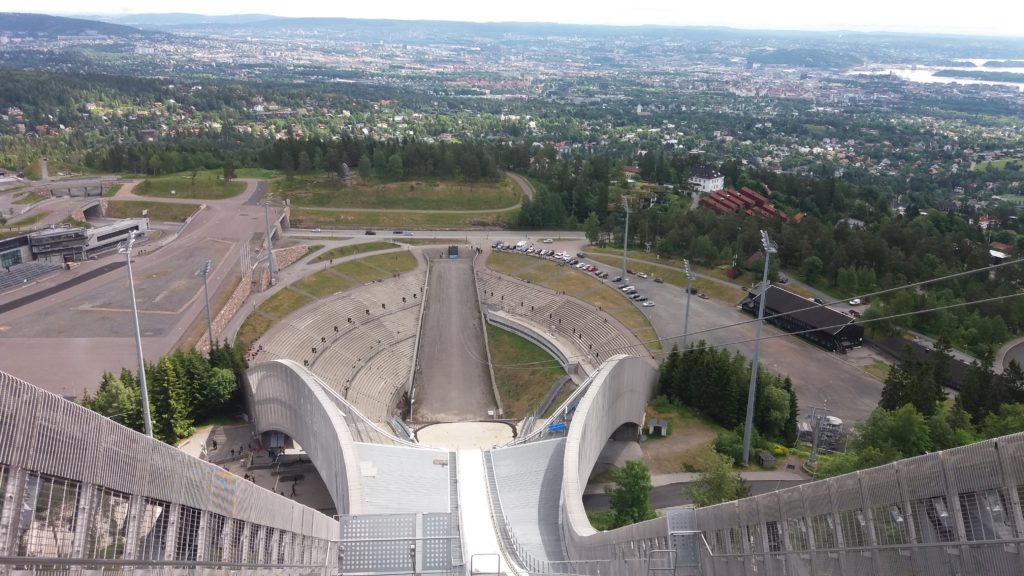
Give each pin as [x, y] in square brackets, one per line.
[81, 493]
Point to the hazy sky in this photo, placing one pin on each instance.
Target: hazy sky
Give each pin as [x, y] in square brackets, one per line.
[999, 17]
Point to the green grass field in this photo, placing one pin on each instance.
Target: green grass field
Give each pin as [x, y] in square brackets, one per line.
[255, 326]
[405, 195]
[312, 218]
[371, 268]
[342, 251]
[284, 303]
[208, 185]
[322, 284]
[523, 371]
[998, 164]
[583, 286]
[159, 211]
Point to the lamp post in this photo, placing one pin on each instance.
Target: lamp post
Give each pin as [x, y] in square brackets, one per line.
[126, 249]
[205, 273]
[625, 236]
[270, 244]
[689, 290]
[769, 249]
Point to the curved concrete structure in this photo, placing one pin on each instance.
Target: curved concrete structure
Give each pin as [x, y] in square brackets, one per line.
[285, 397]
[618, 395]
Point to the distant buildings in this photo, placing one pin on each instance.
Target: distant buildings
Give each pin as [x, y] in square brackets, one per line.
[707, 180]
[744, 201]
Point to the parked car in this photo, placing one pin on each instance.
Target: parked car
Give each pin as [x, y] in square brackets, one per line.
[642, 274]
[636, 296]
[658, 280]
[370, 233]
[581, 255]
[854, 302]
[703, 295]
[396, 231]
[641, 298]
[627, 287]
[548, 240]
[647, 304]
[617, 279]
[604, 275]
[819, 301]
[853, 313]
[693, 290]
[629, 271]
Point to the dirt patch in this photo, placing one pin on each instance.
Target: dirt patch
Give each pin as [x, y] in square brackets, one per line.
[690, 439]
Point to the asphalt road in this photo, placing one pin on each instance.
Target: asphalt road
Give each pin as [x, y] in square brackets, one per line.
[817, 375]
[64, 340]
[453, 382]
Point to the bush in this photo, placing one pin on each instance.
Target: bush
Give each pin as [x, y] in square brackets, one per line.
[779, 451]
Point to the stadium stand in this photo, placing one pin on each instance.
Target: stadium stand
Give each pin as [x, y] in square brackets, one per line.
[363, 341]
[592, 331]
[21, 273]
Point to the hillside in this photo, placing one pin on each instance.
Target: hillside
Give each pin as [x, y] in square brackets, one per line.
[20, 23]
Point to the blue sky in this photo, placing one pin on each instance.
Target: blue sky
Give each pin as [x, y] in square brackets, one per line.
[1002, 17]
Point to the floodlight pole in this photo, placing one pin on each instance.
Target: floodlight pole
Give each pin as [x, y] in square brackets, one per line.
[270, 245]
[689, 290]
[126, 249]
[205, 273]
[625, 236]
[769, 249]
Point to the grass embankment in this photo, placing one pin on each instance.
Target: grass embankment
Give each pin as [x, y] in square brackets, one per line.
[159, 211]
[321, 284]
[878, 370]
[112, 191]
[580, 285]
[343, 251]
[671, 271]
[313, 218]
[29, 198]
[266, 314]
[405, 195]
[373, 268]
[27, 222]
[208, 185]
[523, 371]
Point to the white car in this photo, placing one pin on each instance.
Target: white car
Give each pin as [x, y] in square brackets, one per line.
[548, 240]
[854, 302]
[647, 304]
[642, 274]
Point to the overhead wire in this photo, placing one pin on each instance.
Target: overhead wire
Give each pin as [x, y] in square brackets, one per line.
[815, 306]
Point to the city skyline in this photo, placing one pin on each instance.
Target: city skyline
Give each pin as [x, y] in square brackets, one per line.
[943, 17]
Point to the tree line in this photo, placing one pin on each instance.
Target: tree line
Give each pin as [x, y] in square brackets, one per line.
[914, 416]
[716, 382]
[184, 388]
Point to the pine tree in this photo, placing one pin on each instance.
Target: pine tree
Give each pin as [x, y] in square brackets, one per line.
[630, 498]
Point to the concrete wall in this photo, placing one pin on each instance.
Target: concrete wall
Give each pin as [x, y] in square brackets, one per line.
[285, 397]
[618, 395]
